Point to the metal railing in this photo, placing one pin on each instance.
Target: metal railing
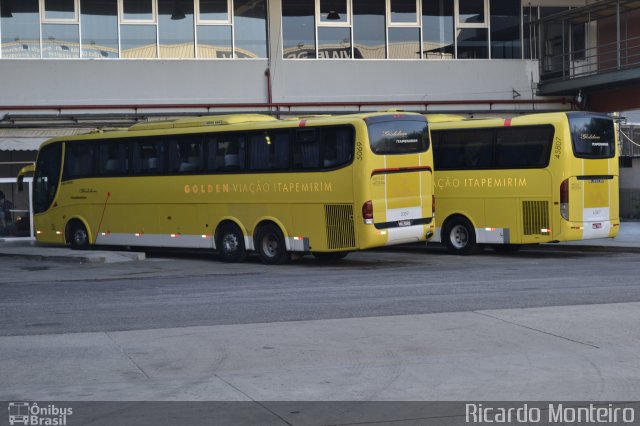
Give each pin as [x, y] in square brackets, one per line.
[603, 58]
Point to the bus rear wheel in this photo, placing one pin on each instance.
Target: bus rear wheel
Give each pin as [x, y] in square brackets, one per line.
[271, 246]
[78, 236]
[230, 243]
[460, 236]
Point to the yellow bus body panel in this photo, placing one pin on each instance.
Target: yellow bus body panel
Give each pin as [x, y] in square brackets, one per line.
[316, 211]
[508, 206]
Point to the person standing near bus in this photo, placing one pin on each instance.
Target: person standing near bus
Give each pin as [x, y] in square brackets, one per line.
[5, 213]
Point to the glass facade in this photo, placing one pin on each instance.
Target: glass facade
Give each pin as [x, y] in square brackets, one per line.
[133, 29]
[401, 29]
[234, 29]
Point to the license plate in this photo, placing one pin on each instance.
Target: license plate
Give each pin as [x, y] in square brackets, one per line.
[404, 223]
[597, 225]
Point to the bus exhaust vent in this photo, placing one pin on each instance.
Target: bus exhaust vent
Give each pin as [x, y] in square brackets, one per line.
[340, 231]
[536, 216]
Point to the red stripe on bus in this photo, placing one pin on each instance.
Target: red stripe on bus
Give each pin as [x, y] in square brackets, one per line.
[401, 170]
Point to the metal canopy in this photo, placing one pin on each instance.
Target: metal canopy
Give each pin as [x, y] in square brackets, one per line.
[599, 10]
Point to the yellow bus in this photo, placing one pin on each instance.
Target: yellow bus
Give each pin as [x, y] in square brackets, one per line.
[535, 178]
[235, 183]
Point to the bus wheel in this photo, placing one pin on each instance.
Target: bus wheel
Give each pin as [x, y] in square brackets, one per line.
[270, 245]
[78, 236]
[506, 248]
[330, 257]
[230, 243]
[460, 236]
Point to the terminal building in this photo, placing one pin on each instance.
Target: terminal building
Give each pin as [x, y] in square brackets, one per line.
[71, 66]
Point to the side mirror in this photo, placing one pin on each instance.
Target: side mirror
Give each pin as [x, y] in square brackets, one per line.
[23, 171]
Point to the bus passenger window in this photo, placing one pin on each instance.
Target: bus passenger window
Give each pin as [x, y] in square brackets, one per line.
[338, 147]
[307, 149]
[226, 153]
[185, 155]
[259, 145]
[148, 157]
[79, 160]
[524, 147]
[113, 158]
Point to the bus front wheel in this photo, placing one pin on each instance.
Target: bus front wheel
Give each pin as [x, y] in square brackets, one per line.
[78, 236]
[230, 243]
[270, 245]
[460, 236]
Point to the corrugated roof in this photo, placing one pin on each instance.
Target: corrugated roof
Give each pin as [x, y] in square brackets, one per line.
[30, 139]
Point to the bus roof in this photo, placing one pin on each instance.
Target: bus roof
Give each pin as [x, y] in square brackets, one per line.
[219, 123]
[520, 120]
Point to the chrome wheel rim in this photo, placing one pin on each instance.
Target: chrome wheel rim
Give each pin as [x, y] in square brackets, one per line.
[459, 236]
[270, 245]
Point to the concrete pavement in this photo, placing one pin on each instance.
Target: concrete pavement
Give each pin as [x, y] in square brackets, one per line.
[627, 240]
[554, 353]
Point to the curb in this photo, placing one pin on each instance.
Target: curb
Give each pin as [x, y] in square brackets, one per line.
[110, 257]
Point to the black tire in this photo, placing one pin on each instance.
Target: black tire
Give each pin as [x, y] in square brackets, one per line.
[230, 243]
[78, 236]
[330, 257]
[459, 236]
[506, 248]
[270, 245]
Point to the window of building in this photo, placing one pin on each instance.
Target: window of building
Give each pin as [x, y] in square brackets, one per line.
[175, 29]
[20, 27]
[99, 23]
[213, 11]
[403, 32]
[438, 28]
[298, 29]
[369, 30]
[138, 41]
[137, 11]
[472, 33]
[471, 12]
[334, 30]
[505, 29]
[250, 29]
[334, 12]
[60, 41]
[59, 10]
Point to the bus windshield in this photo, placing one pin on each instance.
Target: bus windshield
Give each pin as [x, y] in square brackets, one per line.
[592, 137]
[46, 177]
[390, 135]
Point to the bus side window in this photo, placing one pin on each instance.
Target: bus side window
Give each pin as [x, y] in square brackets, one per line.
[113, 158]
[478, 148]
[185, 155]
[149, 157]
[307, 149]
[226, 152]
[527, 147]
[79, 161]
[259, 147]
[338, 146]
